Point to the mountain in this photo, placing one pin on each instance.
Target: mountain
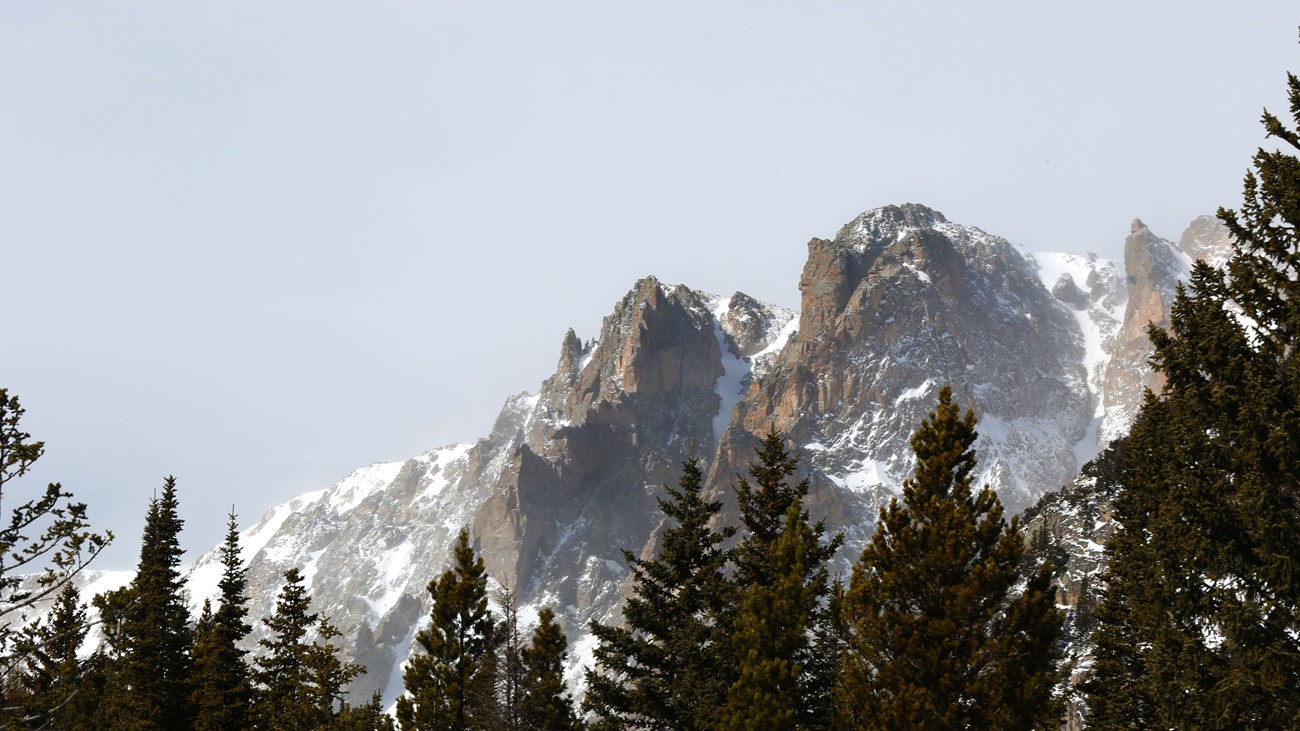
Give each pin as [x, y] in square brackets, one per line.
[1049, 349]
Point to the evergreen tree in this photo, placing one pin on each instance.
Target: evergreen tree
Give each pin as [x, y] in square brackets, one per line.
[451, 684]
[48, 535]
[772, 632]
[510, 678]
[937, 637]
[327, 676]
[148, 685]
[781, 560]
[1199, 621]
[545, 704]
[222, 691]
[367, 717]
[51, 687]
[300, 681]
[763, 506]
[664, 668]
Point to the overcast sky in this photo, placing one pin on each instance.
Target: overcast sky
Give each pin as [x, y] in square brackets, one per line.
[256, 245]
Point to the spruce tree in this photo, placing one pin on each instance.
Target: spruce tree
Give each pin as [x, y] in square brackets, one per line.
[52, 687]
[451, 685]
[665, 667]
[938, 637]
[545, 703]
[772, 632]
[149, 684]
[222, 691]
[1199, 624]
[366, 717]
[510, 675]
[300, 679]
[776, 528]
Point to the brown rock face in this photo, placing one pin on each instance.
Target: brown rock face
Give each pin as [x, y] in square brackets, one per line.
[615, 420]
[898, 304]
[1153, 267]
[1206, 238]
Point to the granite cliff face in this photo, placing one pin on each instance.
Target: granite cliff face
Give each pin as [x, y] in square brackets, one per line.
[1047, 348]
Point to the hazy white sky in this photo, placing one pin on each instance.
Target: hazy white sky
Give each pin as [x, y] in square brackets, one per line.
[258, 244]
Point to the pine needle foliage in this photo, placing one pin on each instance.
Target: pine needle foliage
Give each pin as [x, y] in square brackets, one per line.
[939, 633]
[48, 535]
[1199, 625]
[451, 684]
[222, 688]
[545, 703]
[663, 668]
[149, 684]
[780, 564]
[52, 687]
[300, 678]
[772, 632]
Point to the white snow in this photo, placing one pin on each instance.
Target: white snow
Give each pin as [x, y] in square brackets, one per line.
[438, 461]
[730, 385]
[393, 567]
[255, 539]
[582, 655]
[1098, 326]
[914, 392]
[869, 474]
[202, 583]
[360, 484]
[587, 355]
[761, 358]
[308, 569]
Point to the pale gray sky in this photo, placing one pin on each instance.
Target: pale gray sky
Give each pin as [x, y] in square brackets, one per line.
[258, 244]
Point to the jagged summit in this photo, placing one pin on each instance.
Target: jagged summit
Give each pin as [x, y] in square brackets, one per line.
[1047, 348]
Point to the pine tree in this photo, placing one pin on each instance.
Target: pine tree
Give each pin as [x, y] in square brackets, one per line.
[367, 717]
[327, 676]
[776, 530]
[545, 704]
[222, 691]
[510, 678]
[937, 636]
[48, 535]
[451, 684]
[1199, 622]
[664, 668]
[772, 632]
[50, 688]
[148, 686]
[300, 681]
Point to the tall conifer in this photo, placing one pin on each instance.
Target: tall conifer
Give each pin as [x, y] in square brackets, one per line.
[545, 703]
[149, 683]
[937, 635]
[300, 678]
[451, 684]
[665, 668]
[1199, 625]
[222, 691]
[772, 635]
[780, 562]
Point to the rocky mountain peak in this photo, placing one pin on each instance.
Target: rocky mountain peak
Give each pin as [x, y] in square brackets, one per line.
[1208, 239]
[899, 303]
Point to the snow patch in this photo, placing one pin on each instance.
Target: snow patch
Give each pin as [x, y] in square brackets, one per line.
[730, 385]
[914, 392]
[438, 462]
